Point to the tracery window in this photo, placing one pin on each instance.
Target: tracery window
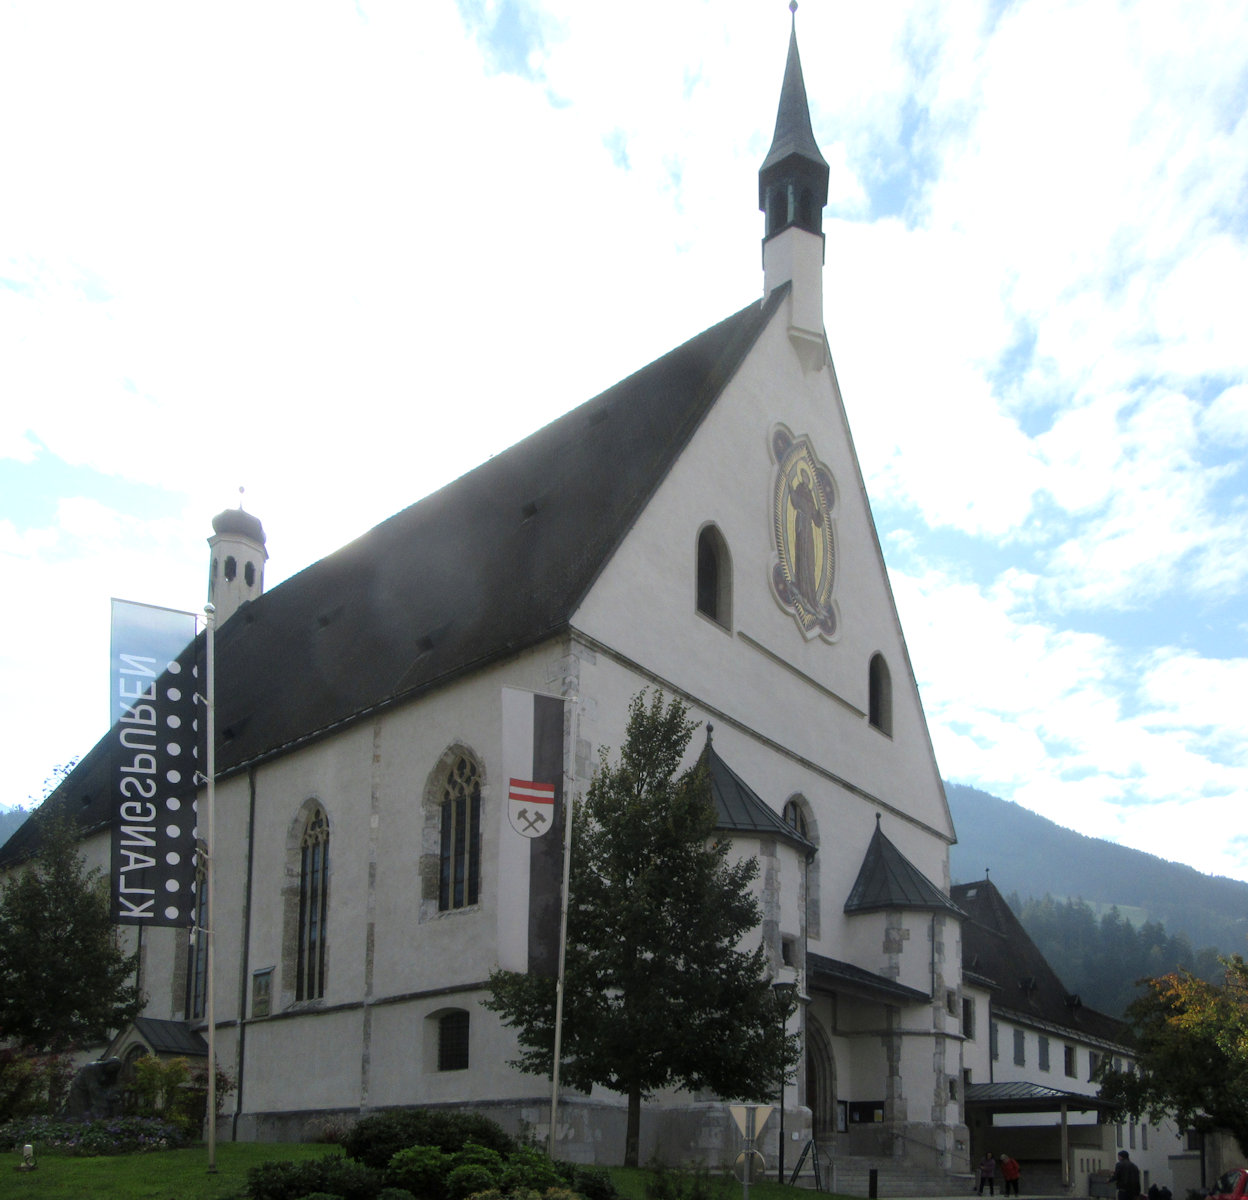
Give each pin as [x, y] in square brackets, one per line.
[313, 906]
[459, 876]
[795, 818]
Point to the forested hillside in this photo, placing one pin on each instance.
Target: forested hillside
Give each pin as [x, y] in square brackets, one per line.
[1103, 915]
[1033, 856]
[1100, 959]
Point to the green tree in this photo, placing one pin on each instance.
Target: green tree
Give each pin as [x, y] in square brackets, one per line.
[1192, 1043]
[64, 979]
[658, 992]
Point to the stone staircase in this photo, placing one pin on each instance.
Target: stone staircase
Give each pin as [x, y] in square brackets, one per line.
[850, 1175]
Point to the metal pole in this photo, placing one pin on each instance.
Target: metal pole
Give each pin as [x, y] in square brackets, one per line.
[563, 943]
[563, 946]
[210, 765]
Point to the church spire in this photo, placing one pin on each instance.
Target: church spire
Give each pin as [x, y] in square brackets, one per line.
[792, 190]
[793, 180]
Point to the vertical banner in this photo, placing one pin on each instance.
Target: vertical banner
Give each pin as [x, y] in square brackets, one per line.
[531, 851]
[155, 756]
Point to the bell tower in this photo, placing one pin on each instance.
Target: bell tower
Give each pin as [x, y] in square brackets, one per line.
[792, 192]
[236, 569]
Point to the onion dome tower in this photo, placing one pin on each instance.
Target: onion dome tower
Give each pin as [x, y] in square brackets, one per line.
[792, 191]
[236, 572]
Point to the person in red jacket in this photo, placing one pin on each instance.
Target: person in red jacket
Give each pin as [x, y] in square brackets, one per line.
[1010, 1172]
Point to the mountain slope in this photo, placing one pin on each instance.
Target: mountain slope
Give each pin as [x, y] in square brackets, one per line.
[1031, 855]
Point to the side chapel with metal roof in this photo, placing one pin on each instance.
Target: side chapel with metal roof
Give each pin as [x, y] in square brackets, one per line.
[701, 527]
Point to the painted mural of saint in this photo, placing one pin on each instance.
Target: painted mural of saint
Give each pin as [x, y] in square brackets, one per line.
[807, 515]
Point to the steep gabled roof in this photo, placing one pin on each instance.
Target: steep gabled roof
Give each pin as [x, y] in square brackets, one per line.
[487, 566]
[996, 947]
[740, 809]
[888, 879]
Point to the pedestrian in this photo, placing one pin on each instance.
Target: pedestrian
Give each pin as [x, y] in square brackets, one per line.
[1010, 1172]
[988, 1175]
[1126, 1177]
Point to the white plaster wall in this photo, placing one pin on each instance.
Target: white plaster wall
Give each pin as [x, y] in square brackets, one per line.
[785, 690]
[309, 1062]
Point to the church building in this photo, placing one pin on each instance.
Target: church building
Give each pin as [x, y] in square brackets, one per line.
[701, 528]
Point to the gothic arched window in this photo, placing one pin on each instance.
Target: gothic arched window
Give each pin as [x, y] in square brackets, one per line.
[459, 875]
[313, 906]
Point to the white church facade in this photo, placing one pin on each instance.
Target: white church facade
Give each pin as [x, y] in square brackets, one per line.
[701, 528]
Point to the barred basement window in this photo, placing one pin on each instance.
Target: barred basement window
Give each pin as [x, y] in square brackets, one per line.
[313, 906]
[459, 878]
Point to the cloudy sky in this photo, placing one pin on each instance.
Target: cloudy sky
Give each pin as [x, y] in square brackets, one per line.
[339, 253]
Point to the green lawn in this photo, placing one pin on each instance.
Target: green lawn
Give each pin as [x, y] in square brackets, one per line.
[163, 1175]
[183, 1175]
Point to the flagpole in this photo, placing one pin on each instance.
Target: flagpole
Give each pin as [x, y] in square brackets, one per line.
[210, 614]
[563, 939]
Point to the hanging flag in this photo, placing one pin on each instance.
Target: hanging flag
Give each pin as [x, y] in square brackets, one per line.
[530, 807]
[532, 864]
[155, 744]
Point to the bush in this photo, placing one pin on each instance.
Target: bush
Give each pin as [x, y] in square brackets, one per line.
[395, 1193]
[337, 1176]
[376, 1139]
[110, 1135]
[468, 1178]
[594, 1183]
[530, 1168]
[421, 1170]
[697, 1184]
[32, 1084]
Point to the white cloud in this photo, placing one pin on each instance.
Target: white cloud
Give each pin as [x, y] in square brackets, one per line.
[331, 253]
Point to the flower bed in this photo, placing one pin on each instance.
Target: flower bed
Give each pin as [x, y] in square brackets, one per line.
[112, 1135]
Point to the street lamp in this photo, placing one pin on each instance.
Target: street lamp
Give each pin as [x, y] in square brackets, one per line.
[785, 994]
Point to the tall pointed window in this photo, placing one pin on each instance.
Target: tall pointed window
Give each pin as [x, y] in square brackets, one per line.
[714, 591]
[313, 906]
[459, 877]
[880, 695]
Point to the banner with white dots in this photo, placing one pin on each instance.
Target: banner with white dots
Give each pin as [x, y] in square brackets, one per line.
[155, 709]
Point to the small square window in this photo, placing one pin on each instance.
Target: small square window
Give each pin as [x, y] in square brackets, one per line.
[262, 992]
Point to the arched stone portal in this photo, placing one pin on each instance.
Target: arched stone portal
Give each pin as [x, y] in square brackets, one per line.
[820, 1083]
